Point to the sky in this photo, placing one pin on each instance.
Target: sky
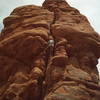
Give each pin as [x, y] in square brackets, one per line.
[90, 8]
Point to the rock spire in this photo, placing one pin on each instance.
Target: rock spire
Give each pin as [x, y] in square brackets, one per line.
[48, 53]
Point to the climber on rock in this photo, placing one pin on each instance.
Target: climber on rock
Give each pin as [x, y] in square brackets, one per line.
[51, 42]
[50, 46]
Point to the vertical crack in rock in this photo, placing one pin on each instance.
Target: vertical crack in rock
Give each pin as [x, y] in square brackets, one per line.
[48, 53]
[69, 29]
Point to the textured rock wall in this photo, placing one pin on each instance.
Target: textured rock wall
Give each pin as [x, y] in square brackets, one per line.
[48, 53]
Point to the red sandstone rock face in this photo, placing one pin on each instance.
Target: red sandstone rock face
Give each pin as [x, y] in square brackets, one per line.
[48, 53]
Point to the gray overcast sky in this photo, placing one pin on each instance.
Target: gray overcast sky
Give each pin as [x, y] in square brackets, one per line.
[90, 8]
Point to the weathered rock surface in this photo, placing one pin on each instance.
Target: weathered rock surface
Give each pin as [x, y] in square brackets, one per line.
[48, 53]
